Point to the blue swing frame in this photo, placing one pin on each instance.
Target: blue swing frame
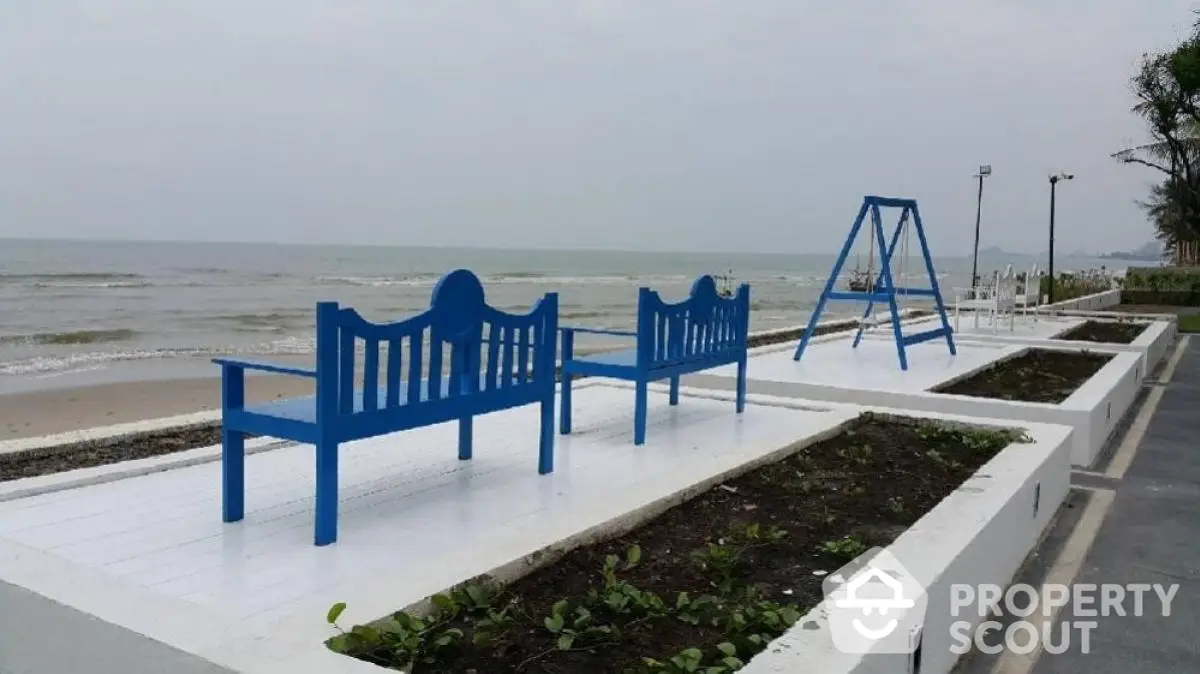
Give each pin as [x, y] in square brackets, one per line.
[884, 289]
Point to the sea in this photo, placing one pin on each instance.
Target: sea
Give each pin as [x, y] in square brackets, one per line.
[84, 312]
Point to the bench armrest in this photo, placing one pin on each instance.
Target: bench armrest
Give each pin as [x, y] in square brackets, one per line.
[265, 367]
[597, 331]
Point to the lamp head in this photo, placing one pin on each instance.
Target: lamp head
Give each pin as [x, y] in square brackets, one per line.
[985, 170]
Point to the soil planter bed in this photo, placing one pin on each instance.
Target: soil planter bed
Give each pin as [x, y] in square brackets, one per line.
[106, 451]
[1037, 376]
[706, 585]
[1120, 332]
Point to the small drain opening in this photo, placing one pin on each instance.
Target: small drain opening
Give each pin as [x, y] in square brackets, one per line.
[1037, 498]
[1108, 412]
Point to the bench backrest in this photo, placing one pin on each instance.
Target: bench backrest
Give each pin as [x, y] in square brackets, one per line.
[496, 360]
[1006, 289]
[705, 326]
[1033, 285]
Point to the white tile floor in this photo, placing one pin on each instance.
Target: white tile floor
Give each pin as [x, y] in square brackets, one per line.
[1024, 329]
[407, 503]
[873, 366]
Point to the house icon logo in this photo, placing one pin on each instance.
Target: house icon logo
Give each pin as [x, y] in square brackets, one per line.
[874, 605]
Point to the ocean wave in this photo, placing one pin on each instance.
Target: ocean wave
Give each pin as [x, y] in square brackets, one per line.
[92, 284]
[70, 338]
[506, 278]
[276, 321]
[379, 281]
[46, 365]
[67, 276]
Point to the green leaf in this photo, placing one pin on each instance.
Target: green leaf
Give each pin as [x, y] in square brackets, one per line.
[682, 600]
[337, 644]
[443, 602]
[633, 555]
[559, 608]
[554, 623]
[727, 648]
[477, 594]
[335, 612]
[565, 642]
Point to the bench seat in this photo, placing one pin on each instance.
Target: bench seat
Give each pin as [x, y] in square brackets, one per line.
[304, 408]
[627, 358]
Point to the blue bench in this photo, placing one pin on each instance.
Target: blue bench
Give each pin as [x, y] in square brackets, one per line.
[702, 332]
[497, 361]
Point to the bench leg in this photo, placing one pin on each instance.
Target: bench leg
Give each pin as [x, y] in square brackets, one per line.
[325, 524]
[564, 414]
[674, 390]
[639, 413]
[464, 438]
[741, 386]
[546, 441]
[233, 447]
[233, 475]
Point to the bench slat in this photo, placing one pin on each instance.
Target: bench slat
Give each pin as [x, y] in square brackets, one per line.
[493, 358]
[371, 374]
[458, 370]
[506, 358]
[395, 359]
[522, 355]
[346, 370]
[436, 346]
[416, 354]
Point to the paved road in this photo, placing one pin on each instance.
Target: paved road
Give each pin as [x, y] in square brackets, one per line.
[1152, 535]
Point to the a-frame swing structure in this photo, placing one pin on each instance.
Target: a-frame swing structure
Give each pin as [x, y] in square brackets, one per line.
[884, 289]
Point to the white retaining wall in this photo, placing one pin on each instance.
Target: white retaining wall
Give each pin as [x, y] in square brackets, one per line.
[1093, 410]
[1100, 300]
[978, 535]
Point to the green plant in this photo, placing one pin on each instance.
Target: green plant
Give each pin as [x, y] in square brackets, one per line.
[859, 454]
[845, 548]
[403, 638]
[723, 555]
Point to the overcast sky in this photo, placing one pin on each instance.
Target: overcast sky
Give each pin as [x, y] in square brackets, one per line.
[717, 125]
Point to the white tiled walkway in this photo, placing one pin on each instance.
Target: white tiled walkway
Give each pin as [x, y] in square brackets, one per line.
[411, 515]
[873, 366]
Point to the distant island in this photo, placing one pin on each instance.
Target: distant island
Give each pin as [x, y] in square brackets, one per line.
[1151, 252]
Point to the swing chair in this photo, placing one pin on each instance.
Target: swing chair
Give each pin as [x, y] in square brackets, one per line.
[884, 289]
[870, 320]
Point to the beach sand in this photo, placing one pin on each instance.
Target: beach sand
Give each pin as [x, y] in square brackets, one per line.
[38, 413]
[59, 410]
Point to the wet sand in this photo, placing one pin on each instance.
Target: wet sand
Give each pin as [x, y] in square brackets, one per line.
[61, 410]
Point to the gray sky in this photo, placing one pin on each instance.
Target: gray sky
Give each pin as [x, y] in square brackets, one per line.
[740, 125]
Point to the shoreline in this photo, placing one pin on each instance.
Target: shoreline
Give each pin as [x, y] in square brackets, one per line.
[50, 411]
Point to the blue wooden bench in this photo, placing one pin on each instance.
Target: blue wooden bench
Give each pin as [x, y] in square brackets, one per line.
[497, 361]
[702, 332]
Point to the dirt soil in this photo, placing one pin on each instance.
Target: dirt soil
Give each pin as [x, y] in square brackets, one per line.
[93, 453]
[1153, 309]
[1105, 331]
[1037, 376]
[835, 500]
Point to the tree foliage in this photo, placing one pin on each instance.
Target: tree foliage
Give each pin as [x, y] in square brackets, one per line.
[1167, 88]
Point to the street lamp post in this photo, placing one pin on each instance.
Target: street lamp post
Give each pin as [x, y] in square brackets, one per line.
[1053, 184]
[984, 171]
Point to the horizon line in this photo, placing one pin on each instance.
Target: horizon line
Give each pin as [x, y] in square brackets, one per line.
[551, 249]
